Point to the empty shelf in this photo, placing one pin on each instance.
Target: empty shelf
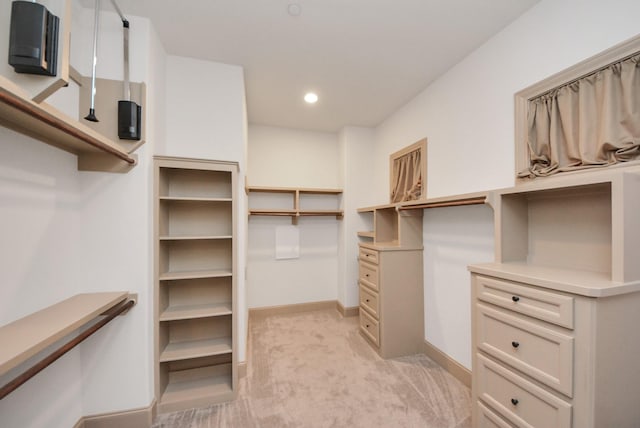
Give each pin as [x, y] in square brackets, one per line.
[183, 312]
[195, 349]
[193, 237]
[27, 336]
[203, 391]
[193, 199]
[215, 273]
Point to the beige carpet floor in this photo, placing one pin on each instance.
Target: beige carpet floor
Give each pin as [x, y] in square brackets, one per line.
[313, 369]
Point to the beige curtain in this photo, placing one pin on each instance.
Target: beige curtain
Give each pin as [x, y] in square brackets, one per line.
[407, 177]
[593, 122]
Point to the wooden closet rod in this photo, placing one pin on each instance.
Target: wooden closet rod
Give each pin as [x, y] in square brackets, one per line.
[48, 360]
[453, 203]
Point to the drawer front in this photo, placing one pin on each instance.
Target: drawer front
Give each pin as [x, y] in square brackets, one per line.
[369, 327]
[369, 275]
[539, 352]
[488, 419]
[547, 306]
[369, 301]
[518, 400]
[369, 255]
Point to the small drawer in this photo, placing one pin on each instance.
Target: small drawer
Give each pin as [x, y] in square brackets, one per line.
[369, 327]
[547, 306]
[518, 400]
[539, 352]
[369, 301]
[369, 275]
[488, 419]
[369, 255]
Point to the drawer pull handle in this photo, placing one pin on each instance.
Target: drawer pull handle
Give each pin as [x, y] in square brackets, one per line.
[367, 275]
[514, 401]
[515, 344]
[515, 298]
[367, 300]
[367, 325]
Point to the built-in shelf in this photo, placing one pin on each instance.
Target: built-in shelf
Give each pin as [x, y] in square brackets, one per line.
[366, 234]
[27, 336]
[195, 274]
[195, 317]
[188, 237]
[298, 201]
[199, 389]
[173, 313]
[448, 201]
[47, 124]
[193, 199]
[196, 349]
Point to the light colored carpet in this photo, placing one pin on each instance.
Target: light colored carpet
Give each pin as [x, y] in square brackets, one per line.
[313, 369]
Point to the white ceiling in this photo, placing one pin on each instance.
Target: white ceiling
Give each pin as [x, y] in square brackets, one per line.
[364, 58]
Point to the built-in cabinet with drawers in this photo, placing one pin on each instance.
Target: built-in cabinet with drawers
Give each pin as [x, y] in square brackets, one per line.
[390, 282]
[555, 317]
[195, 292]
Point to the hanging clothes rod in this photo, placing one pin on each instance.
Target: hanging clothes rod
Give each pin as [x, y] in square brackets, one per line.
[118, 309]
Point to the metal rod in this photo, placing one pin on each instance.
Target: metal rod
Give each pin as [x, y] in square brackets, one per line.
[92, 111]
[44, 363]
[125, 41]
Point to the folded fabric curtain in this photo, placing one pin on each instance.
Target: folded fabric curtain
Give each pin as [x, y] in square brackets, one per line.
[407, 177]
[592, 122]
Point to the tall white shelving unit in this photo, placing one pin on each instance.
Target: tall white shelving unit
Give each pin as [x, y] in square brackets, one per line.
[195, 291]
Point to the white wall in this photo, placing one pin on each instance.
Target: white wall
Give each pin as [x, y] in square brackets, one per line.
[356, 158]
[279, 157]
[206, 118]
[467, 116]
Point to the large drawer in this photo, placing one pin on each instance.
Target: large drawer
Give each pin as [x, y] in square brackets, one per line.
[488, 419]
[368, 275]
[544, 305]
[542, 353]
[369, 301]
[369, 255]
[518, 400]
[369, 327]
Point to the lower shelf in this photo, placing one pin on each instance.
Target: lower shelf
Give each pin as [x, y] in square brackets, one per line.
[199, 387]
[196, 349]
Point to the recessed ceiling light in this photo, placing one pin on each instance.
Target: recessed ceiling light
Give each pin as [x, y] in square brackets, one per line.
[311, 98]
[294, 9]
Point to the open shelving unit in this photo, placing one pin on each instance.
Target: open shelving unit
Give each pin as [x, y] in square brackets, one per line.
[196, 357]
[294, 202]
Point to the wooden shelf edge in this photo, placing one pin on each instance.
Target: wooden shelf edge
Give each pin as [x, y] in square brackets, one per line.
[29, 335]
[366, 234]
[307, 190]
[47, 124]
[196, 274]
[196, 349]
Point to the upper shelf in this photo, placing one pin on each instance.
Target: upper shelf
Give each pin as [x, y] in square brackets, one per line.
[294, 211]
[27, 336]
[43, 122]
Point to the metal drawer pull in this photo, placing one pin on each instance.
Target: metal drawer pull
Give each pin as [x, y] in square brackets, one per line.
[367, 300]
[514, 401]
[367, 325]
[515, 298]
[515, 344]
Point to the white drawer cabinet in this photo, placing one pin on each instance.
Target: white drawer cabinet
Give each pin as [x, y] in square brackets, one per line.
[391, 300]
[549, 358]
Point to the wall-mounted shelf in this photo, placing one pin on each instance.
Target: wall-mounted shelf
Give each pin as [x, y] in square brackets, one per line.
[27, 336]
[300, 202]
[44, 123]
